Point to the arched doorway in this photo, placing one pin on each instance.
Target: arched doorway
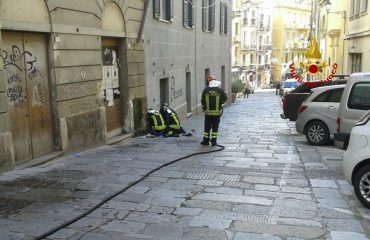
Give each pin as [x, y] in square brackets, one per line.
[112, 58]
[25, 57]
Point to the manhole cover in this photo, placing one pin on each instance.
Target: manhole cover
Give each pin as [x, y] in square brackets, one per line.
[323, 173]
[211, 176]
[67, 174]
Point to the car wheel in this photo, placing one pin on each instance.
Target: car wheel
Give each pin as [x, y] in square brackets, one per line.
[317, 133]
[361, 185]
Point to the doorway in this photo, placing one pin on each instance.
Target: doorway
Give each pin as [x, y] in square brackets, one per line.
[188, 91]
[111, 86]
[163, 91]
[28, 94]
[207, 71]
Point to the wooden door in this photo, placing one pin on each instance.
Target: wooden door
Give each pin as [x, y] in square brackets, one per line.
[111, 86]
[27, 86]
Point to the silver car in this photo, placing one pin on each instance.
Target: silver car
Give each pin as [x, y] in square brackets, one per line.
[317, 115]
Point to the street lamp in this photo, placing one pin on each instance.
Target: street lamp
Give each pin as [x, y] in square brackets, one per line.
[327, 6]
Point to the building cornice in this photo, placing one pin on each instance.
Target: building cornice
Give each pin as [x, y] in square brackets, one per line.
[358, 35]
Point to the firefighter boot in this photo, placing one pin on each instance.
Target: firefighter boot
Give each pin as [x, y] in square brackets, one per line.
[205, 142]
[214, 142]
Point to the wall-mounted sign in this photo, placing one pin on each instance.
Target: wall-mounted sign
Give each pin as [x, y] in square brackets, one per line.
[312, 65]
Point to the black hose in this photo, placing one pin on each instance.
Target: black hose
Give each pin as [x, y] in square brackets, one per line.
[106, 199]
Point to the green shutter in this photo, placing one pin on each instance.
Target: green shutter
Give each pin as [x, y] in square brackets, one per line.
[157, 9]
[212, 9]
[192, 14]
[204, 14]
[222, 17]
[185, 15]
[169, 8]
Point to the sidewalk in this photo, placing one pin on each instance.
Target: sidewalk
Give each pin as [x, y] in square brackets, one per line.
[267, 184]
[35, 200]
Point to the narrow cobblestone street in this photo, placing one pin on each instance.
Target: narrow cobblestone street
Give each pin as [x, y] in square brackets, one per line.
[268, 184]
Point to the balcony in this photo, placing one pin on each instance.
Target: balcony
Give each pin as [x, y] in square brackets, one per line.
[237, 13]
[236, 39]
[264, 47]
[250, 47]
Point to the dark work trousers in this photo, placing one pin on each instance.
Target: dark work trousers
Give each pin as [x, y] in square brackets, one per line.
[211, 122]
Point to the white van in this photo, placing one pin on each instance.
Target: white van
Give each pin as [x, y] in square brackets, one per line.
[354, 103]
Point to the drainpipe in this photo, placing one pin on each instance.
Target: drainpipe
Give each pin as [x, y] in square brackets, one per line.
[140, 34]
[195, 56]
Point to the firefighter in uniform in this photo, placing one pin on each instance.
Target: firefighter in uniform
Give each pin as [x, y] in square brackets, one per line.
[155, 123]
[212, 99]
[172, 121]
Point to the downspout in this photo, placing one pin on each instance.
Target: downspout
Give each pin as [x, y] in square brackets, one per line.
[140, 34]
[195, 56]
[57, 128]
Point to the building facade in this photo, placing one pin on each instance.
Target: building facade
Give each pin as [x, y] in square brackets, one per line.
[185, 40]
[71, 75]
[292, 24]
[252, 41]
[357, 37]
[331, 33]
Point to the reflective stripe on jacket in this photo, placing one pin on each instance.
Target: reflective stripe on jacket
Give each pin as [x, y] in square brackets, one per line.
[212, 99]
[157, 122]
[175, 122]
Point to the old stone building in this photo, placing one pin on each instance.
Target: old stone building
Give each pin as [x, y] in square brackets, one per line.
[71, 75]
[185, 40]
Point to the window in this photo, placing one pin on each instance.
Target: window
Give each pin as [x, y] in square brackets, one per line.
[333, 95]
[364, 5]
[356, 62]
[352, 8]
[359, 97]
[245, 18]
[188, 13]
[162, 9]
[224, 17]
[208, 15]
[357, 7]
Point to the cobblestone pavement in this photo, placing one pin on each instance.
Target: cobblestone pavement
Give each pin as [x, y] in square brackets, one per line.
[268, 184]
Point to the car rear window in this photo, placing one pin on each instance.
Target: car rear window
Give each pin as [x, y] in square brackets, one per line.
[291, 84]
[359, 97]
[331, 95]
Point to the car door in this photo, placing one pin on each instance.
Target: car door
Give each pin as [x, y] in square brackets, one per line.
[327, 105]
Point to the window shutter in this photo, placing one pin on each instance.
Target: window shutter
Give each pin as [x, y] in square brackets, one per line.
[157, 9]
[213, 14]
[226, 19]
[222, 17]
[185, 13]
[204, 14]
[170, 10]
[191, 13]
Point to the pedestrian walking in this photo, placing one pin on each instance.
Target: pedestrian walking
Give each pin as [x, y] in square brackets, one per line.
[246, 92]
[278, 86]
[212, 99]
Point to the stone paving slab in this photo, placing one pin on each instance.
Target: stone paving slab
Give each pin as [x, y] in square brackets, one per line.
[268, 183]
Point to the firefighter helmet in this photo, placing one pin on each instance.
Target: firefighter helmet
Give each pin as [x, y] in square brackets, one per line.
[211, 77]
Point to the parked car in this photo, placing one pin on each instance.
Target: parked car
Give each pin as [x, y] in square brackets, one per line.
[356, 160]
[292, 101]
[288, 86]
[354, 103]
[318, 114]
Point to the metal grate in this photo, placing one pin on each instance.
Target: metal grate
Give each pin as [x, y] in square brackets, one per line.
[247, 217]
[211, 176]
[66, 174]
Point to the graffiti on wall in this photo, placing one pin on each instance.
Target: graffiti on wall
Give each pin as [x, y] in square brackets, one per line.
[17, 65]
[175, 91]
